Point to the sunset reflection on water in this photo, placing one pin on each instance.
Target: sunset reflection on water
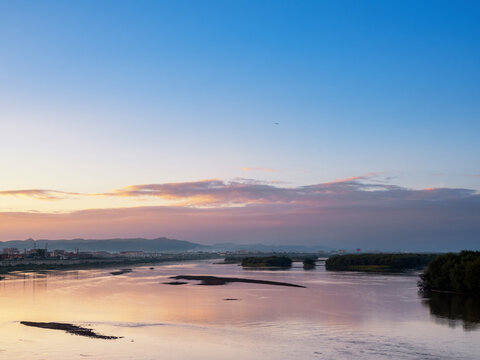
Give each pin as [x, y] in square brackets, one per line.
[348, 315]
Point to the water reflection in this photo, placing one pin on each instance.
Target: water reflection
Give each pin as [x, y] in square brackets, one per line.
[454, 309]
[343, 315]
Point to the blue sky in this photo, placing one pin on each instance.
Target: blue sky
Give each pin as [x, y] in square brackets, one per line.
[99, 95]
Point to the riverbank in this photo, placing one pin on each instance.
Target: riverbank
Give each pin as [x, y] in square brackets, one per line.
[8, 266]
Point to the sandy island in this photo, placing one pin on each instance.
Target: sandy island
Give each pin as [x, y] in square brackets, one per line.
[215, 280]
[121, 271]
[69, 328]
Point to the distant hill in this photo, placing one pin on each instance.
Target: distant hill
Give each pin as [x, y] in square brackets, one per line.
[267, 248]
[111, 245]
[151, 245]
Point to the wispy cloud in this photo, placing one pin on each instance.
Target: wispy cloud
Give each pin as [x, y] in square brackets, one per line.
[347, 180]
[40, 194]
[245, 192]
[371, 176]
[260, 169]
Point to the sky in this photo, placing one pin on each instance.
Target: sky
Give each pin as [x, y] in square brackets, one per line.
[336, 123]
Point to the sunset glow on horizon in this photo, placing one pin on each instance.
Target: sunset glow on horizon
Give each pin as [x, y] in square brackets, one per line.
[252, 122]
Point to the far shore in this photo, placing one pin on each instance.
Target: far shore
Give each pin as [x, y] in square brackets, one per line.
[75, 264]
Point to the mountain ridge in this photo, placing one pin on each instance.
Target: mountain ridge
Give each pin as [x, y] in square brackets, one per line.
[111, 245]
[160, 244]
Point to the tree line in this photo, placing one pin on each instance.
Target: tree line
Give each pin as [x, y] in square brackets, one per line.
[268, 261]
[453, 272]
[378, 262]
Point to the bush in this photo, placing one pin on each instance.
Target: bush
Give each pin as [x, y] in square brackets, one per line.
[309, 263]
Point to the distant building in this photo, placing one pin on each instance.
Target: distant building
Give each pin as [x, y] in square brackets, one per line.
[10, 251]
[10, 254]
[133, 254]
[58, 254]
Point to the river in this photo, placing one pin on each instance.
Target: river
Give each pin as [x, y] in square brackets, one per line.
[338, 315]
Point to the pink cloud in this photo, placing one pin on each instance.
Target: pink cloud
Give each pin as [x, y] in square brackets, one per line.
[39, 194]
[337, 214]
[420, 224]
[243, 192]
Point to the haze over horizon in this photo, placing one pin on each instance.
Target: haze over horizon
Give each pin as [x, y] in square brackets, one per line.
[340, 124]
